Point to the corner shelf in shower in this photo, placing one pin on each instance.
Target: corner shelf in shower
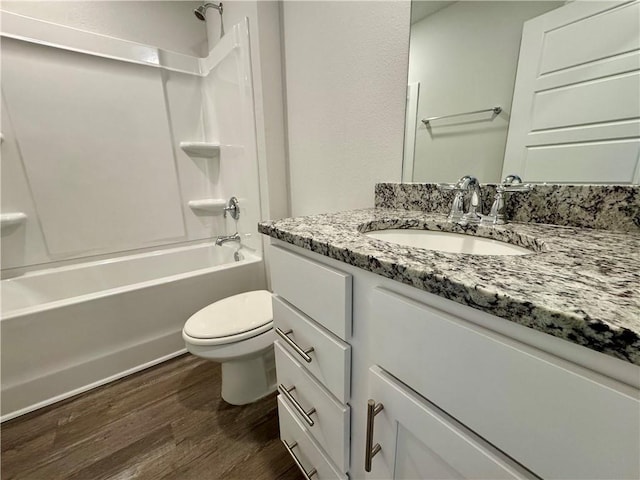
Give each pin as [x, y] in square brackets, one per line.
[201, 149]
[11, 219]
[212, 205]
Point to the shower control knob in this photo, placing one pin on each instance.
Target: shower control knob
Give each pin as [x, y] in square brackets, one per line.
[233, 208]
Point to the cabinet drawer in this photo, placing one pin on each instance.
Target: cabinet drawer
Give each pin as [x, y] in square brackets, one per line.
[330, 358]
[319, 291]
[556, 418]
[307, 453]
[330, 419]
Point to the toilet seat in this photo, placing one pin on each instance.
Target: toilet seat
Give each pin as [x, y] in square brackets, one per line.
[231, 319]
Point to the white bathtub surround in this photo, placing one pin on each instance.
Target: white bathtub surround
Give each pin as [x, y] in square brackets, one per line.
[208, 205]
[68, 329]
[201, 149]
[231, 123]
[169, 25]
[124, 157]
[268, 94]
[12, 219]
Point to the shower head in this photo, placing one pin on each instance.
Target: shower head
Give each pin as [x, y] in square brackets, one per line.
[200, 11]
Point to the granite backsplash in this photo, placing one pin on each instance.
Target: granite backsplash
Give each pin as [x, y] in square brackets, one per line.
[607, 207]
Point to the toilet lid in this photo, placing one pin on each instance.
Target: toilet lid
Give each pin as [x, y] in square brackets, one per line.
[231, 316]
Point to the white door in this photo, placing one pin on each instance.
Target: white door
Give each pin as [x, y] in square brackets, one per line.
[410, 125]
[419, 441]
[576, 106]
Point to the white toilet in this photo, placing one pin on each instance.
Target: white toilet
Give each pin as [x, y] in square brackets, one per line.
[237, 331]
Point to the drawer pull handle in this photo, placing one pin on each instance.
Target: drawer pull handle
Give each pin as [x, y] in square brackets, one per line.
[307, 475]
[300, 351]
[371, 450]
[305, 415]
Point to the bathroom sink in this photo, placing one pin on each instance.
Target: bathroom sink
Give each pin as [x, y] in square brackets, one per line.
[447, 242]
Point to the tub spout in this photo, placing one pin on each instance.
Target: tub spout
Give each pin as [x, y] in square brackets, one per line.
[222, 239]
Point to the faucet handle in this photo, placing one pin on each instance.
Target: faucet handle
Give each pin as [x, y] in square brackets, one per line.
[517, 187]
[472, 216]
[445, 187]
[457, 207]
[513, 183]
[512, 179]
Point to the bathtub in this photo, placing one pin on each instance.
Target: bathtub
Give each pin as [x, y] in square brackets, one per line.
[66, 330]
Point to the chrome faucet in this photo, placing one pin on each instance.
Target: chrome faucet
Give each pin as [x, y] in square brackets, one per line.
[511, 183]
[457, 208]
[466, 186]
[222, 239]
[470, 186]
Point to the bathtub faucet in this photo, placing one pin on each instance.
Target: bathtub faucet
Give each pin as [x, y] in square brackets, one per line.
[227, 238]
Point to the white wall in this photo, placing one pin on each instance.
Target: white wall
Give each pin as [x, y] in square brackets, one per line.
[465, 58]
[346, 70]
[170, 25]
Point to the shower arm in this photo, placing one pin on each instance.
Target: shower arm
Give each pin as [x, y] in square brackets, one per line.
[200, 13]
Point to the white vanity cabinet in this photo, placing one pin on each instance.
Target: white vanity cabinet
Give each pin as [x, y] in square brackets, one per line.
[426, 442]
[320, 292]
[312, 318]
[556, 418]
[311, 460]
[465, 394]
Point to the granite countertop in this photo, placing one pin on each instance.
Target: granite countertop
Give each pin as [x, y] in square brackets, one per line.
[581, 285]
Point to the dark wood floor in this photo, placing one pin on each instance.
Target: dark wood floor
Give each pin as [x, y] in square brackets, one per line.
[167, 422]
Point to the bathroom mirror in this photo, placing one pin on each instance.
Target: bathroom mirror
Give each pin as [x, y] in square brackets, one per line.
[463, 57]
